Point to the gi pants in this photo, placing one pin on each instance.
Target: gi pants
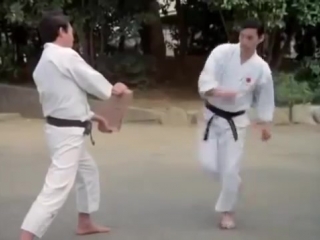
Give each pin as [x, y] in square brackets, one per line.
[221, 156]
[70, 164]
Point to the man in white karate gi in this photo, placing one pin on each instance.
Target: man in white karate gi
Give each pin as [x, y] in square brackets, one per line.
[63, 80]
[234, 78]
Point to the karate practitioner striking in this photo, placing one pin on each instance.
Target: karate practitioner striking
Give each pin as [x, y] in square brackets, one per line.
[63, 80]
[234, 78]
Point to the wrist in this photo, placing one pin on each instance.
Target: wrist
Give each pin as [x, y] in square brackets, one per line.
[96, 118]
[265, 125]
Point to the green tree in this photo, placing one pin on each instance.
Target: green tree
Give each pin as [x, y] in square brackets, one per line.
[283, 19]
[290, 92]
[97, 22]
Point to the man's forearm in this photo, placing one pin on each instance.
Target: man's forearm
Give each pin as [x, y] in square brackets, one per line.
[218, 92]
[97, 118]
[264, 124]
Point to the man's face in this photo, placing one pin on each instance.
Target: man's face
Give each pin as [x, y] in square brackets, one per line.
[249, 39]
[67, 36]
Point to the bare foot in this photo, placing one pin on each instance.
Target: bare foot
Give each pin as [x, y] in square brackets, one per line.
[25, 235]
[227, 221]
[91, 229]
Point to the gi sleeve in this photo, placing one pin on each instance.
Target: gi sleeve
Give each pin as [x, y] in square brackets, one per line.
[91, 115]
[264, 102]
[208, 77]
[87, 78]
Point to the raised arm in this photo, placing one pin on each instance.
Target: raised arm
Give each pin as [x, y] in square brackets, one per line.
[87, 78]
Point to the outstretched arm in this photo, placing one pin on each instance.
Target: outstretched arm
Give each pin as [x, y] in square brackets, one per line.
[88, 78]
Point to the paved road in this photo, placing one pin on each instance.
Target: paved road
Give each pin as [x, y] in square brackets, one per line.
[153, 188]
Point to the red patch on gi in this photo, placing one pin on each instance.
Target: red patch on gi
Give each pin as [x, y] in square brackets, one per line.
[248, 80]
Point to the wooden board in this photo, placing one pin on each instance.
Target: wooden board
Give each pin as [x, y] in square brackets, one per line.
[114, 109]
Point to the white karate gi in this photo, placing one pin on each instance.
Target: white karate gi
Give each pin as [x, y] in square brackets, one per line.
[63, 79]
[221, 154]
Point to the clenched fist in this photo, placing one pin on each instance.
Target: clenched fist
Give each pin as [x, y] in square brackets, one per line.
[119, 88]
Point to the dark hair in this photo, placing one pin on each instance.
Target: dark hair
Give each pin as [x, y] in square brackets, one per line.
[50, 25]
[254, 24]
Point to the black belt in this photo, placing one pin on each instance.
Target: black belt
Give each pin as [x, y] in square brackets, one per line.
[224, 114]
[58, 122]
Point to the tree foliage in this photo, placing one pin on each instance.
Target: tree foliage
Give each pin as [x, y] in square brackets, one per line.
[109, 28]
[290, 92]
